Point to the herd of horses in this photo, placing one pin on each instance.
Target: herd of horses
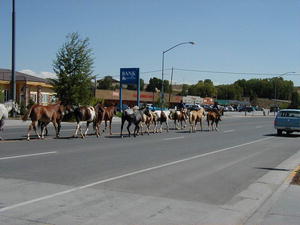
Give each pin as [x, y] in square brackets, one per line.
[141, 118]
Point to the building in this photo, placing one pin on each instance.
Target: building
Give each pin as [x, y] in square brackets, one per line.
[27, 87]
[129, 97]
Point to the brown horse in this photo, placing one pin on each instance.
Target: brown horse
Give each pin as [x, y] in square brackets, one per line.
[46, 114]
[213, 118]
[196, 116]
[109, 113]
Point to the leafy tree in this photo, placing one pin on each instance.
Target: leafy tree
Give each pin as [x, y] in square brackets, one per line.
[105, 83]
[231, 91]
[155, 84]
[184, 90]
[73, 67]
[204, 88]
[295, 100]
[133, 86]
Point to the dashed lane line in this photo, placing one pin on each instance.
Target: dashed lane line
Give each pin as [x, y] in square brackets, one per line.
[173, 138]
[28, 155]
[228, 131]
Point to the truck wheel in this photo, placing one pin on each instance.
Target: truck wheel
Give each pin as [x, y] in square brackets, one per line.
[279, 132]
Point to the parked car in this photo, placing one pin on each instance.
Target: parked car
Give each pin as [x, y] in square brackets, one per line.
[247, 109]
[193, 106]
[287, 120]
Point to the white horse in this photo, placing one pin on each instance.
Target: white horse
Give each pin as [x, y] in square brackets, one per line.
[5, 109]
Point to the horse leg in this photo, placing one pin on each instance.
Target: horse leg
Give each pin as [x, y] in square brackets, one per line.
[110, 121]
[201, 127]
[34, 128]
[136, 129]
[56, 128]
[43, 129]
[217, 129]
[96, 127]
[167, 124]
[208, 124]
[1, 126]
[105, 125]
[77, 128]
[121, 134]
[155, 127]
[28, 132]
[128, 126]
[87, 128]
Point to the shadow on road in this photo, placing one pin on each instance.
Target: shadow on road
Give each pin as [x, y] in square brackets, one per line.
[283, 135]
[272, 169]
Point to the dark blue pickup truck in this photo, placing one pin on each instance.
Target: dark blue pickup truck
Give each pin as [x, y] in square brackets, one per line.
[287, 120]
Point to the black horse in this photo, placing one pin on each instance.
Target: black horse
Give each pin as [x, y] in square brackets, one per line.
[135, 116]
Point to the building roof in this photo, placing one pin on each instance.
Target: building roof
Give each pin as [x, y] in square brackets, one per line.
[5, 75]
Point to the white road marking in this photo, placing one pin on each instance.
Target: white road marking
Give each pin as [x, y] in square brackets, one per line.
[126, 175]
[228, 131]
[173, 138]
[29, 155]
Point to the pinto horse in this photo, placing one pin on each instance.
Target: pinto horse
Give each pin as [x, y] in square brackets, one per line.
[178, 116]
[88, 114]
[45, 114]
[4, 111]
[135, 117]
[162, 117]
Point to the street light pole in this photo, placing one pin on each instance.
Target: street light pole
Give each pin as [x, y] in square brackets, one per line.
[163, 66]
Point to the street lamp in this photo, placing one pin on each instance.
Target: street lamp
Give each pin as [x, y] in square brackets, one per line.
[280, 75]
[163, 66]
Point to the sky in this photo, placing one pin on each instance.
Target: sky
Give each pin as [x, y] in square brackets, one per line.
[251, 38]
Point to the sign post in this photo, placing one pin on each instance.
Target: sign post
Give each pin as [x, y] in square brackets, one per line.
[130, 76]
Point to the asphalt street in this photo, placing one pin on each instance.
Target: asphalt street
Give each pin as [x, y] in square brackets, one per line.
[166, 178]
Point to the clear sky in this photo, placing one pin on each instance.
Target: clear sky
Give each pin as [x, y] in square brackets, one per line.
[252, 36]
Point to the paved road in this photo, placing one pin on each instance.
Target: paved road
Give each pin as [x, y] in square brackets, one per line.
[168, 178]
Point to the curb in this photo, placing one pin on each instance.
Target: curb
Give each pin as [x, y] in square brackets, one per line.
[258, 214]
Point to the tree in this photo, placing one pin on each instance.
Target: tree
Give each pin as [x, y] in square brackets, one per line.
[204, 88]
[105, 83]
[73, 67]
[295, 100]
[184, 90]
[133, 86]
[155, 84]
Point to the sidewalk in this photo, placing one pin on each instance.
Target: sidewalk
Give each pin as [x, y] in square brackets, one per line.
[282, 207]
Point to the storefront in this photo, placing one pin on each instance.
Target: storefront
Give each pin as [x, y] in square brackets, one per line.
[27, 87]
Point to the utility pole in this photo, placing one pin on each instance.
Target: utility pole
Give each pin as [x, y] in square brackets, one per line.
[170, 89]
[13, 72]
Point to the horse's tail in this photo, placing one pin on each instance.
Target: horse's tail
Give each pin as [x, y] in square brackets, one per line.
[27, 114]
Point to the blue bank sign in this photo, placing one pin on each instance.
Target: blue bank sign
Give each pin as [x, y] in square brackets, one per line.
[130, 76]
